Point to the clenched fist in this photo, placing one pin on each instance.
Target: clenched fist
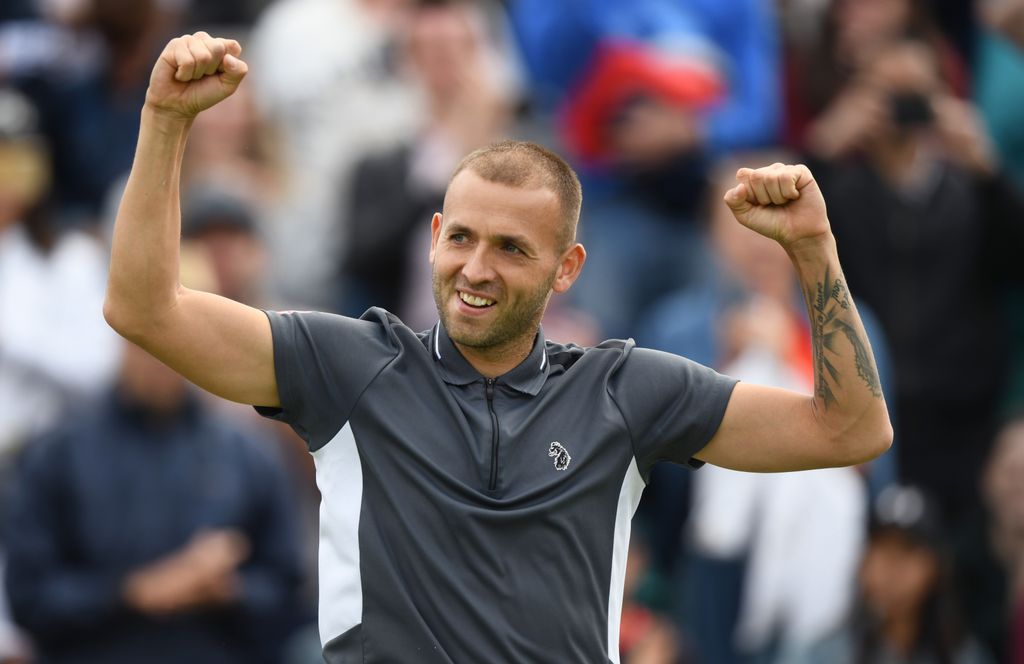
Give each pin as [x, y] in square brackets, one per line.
[193, 73]
[780, 202]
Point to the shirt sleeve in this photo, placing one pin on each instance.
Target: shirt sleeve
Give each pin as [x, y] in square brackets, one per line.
[323, 363]
[672, 406]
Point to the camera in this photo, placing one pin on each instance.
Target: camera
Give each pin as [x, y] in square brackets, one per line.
[911, 109]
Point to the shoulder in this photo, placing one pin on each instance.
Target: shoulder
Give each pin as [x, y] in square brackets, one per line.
[375, 325]
[609, 354]
[615, 356]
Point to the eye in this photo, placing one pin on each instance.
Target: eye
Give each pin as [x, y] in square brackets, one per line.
[458, 238]
[510, 248]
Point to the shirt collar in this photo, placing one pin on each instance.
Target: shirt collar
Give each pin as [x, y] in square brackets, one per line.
[527, 377]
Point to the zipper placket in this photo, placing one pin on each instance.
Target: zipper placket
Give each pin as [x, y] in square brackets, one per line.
[489, 391]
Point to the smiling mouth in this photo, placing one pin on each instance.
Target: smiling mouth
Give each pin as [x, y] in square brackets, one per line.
[475, 301]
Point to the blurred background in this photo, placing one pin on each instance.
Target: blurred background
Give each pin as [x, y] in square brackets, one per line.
[144, 521]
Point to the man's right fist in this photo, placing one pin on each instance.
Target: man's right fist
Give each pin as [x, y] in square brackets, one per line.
[193, 73]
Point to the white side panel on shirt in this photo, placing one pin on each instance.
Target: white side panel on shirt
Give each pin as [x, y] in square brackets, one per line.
[629, 499]
[339, 477]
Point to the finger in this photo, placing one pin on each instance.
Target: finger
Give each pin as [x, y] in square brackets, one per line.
[202, 55]
[737, 199]
[804, 178]
[756, 182]
[773, 184]
[217, 50]
[788, 184]
[743, 177]
[184, 61]
[232, 71]
[231, 46]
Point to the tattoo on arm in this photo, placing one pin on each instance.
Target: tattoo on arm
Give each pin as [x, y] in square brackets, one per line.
[828, 304]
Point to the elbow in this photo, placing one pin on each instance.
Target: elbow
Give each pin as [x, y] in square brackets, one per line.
[882, 440]
[130, 324]
[872, 441]
[116, 317]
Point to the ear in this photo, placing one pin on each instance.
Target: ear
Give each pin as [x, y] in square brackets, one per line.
[569, 268]
[435, 232]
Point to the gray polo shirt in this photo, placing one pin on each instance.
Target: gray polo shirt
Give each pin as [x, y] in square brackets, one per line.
[470, 520]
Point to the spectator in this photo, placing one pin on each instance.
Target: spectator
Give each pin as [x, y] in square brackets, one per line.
[231, 148]
[908, 611]
[999, 91]
[54, 344]
[147, 530]
[823, 64]
[930, 229]
[1004, 493]
[395, 191]
[91, 115]
[344, 96]
[220, 232]
[926, 222]
[644, 91]
[221, 220]
[770, 559]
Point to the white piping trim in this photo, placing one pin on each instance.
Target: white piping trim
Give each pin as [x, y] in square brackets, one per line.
[543, 359]
[437, 335]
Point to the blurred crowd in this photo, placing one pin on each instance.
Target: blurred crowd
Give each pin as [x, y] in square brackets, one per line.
[144, 521]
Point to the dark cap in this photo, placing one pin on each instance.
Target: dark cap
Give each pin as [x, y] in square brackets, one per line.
[909, 510]
[216, 207]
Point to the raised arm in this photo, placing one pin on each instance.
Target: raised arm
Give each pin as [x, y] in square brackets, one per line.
[845, 422]
[221, 345]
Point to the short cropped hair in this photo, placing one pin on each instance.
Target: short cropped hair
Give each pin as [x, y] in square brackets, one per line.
[522, 164]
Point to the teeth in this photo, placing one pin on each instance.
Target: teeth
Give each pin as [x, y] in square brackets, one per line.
[475, 301]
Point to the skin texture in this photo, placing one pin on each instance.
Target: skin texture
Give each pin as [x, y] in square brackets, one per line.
[845, 422]
[495, 242]
[482, 246]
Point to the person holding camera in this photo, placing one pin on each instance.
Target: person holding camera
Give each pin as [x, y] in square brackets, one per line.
[929, 225]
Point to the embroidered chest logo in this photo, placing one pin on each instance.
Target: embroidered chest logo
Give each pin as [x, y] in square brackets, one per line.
[560, 454]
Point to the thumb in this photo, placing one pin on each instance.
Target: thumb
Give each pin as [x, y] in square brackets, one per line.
[736, 199]
[233, 70]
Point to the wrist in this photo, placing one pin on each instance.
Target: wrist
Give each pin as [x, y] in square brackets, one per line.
[811, 248]
[135, 591]
[166, 121]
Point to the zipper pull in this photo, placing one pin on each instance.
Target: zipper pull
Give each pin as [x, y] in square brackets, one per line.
[489, 388]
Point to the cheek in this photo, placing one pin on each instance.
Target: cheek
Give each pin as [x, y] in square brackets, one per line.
[444, 264]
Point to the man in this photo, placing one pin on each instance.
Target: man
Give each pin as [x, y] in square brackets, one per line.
[478, 481]
[149, 529]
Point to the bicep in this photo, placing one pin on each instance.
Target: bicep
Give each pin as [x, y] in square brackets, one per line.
[769, 429]
[222, 346]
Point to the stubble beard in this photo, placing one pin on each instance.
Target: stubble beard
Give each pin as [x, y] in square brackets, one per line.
[510, 328]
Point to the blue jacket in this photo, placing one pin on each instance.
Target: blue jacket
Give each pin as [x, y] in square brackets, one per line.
[558, 38]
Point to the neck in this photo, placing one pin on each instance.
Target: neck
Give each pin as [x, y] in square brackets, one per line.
[900, 632]
[493, 362]
[902, 162]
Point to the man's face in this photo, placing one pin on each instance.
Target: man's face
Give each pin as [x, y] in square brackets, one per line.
[496, 258]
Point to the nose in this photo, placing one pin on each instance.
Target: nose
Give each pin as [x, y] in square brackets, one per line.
[477, 268]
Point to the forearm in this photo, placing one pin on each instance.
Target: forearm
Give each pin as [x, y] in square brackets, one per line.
[143, 281]
[848, 400]
[62, 602]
